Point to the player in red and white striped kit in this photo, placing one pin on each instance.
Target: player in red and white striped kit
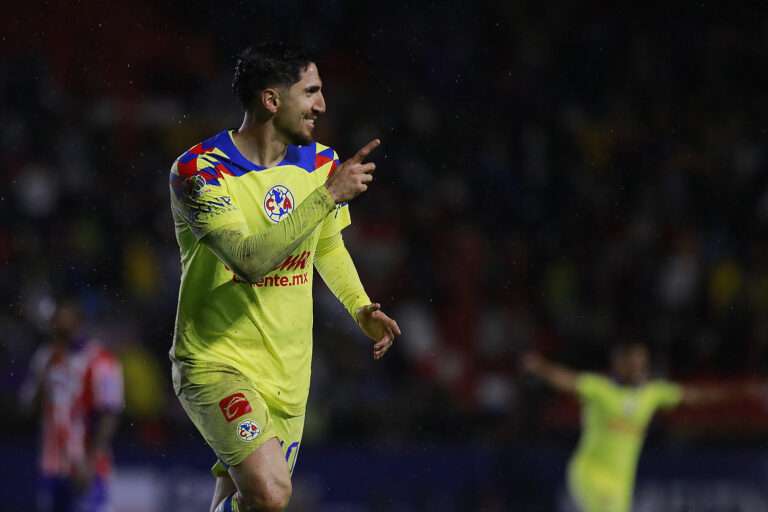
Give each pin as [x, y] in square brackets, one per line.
[76, 385]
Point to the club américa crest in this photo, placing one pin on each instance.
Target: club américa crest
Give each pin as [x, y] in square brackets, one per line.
[194, 185]
[248, 430]
[278, 203]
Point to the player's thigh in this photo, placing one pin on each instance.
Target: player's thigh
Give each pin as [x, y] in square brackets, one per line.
[289, 430]
[229, 413]
[265, 475]
[263, 478]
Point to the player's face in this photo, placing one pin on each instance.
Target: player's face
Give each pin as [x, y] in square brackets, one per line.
[65, 322]
[632, 365]
[300, 106]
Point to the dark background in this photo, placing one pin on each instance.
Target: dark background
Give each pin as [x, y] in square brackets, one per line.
[552, 178]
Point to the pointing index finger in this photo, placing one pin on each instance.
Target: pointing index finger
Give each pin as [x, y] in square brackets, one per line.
[366, 150]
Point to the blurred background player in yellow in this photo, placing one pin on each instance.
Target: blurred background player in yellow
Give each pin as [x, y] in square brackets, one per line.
[616, 411]
[256, 209]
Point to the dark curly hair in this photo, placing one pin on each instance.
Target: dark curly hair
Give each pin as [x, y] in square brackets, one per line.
[267, 64]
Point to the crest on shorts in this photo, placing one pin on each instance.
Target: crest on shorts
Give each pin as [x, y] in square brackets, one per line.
[248, 430]
[234, 406]
[278, 203]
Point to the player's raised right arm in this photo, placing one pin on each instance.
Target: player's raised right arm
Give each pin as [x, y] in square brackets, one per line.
[353, 176]
[559, 377]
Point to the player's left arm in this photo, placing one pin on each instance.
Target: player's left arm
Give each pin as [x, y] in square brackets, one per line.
[670, 394]
[106, 426]
[107, 385]
[104, 429]
[706, 395]
[337, 269]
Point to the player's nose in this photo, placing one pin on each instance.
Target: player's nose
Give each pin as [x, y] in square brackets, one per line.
[319, 106]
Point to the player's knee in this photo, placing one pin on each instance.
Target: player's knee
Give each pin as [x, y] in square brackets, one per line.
[269, 497]
[277, 498]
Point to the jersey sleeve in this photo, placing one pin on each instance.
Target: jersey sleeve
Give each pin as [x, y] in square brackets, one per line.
[335, 266]
[339, 218]
[107, 384]
[592, 387]
[667, 394]
[336, 221]
[201, 198]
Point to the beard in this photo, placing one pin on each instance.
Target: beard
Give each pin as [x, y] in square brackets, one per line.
[294, 135]
[299, 138]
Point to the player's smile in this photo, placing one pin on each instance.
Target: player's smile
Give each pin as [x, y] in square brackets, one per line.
[307, 95]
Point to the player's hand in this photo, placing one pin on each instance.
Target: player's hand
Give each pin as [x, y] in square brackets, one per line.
[379, 327]
[82, 477]
[352, 177]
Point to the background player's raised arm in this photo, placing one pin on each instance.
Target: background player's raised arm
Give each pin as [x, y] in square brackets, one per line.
[704, 395]
[566, 380]
[694, 395]
[557, 376]
[252, 256]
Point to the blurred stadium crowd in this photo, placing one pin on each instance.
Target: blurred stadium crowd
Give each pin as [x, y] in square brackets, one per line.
[555, 180]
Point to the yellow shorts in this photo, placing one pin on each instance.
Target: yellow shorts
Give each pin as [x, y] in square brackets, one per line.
[233, 417]
[596, 490]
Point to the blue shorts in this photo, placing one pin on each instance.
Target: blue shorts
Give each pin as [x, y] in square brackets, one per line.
[58, 494]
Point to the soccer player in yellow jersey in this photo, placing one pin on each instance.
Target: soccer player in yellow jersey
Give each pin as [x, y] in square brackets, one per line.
[615, 414]
[255, 209]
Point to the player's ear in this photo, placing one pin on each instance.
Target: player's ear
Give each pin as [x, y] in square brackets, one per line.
[270, 100]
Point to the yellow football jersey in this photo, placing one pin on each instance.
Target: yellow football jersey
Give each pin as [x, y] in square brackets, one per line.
[614, 422]
[261, 330]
